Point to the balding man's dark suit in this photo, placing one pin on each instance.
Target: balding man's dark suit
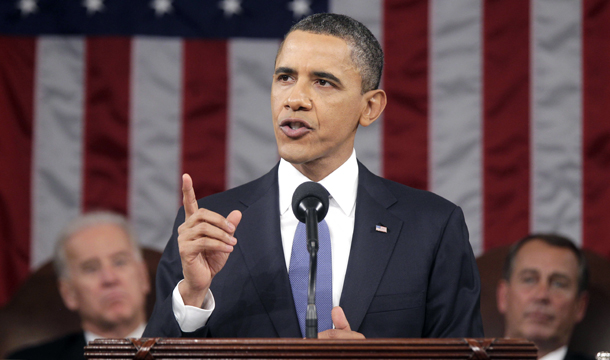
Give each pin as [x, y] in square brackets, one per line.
[419, 279]
[577, 356]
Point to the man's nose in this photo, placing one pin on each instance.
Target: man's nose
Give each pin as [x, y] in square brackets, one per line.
[542, 292]
[299, 98]
[109, 275]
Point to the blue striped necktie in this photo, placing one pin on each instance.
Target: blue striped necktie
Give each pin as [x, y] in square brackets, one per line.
[299, 276]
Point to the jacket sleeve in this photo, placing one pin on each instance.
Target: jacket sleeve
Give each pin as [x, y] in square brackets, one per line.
[162, 322]
[453, 299]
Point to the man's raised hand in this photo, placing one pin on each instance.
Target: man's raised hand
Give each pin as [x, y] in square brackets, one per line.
[205, 240]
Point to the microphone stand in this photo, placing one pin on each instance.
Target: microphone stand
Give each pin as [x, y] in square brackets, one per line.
[310, 204]
[311, 317]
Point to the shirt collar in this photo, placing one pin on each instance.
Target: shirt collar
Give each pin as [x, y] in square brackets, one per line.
[342, 184]
[558, 354]
[136, 333]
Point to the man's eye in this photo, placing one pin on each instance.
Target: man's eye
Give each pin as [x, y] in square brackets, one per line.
[120, 262]
[324, 83]
[283, 78]
[89, 269]
[559, 284]
[528, 280]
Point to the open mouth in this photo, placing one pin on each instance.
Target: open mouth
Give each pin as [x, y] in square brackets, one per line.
[296, 125]
[294, 128]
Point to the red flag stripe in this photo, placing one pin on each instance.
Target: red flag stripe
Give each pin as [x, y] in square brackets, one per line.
[205, 114]
[405, 124]
[16, 101]
[107, 123]
[596, 125]
[506, 109]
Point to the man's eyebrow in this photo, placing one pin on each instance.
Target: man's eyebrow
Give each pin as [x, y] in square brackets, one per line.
[326, 75]
[527, 271]
[122, 253]
[284, 70]
[319, 74]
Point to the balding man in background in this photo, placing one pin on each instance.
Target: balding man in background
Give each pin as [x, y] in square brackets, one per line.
[543, 294]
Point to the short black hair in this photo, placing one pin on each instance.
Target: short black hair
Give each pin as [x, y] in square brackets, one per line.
[552, 240]
[366, 54]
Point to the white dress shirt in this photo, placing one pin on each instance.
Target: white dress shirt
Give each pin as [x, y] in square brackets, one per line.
[137, 333]
[558, 354]
[342, 184]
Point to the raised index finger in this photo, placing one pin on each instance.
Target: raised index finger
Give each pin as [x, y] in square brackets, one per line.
[188, 196]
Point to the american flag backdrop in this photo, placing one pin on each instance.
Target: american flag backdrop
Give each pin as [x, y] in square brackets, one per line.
[502, 106]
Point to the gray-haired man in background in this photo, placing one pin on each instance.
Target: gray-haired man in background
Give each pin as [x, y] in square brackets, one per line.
[101, 276]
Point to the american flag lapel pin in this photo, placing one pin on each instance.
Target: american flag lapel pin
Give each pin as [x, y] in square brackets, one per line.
[381, 228]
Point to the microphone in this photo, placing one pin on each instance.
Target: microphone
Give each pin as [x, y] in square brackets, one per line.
[310, 206]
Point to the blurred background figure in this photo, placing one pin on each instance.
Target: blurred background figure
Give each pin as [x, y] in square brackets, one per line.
[543, 294]
[102, 277]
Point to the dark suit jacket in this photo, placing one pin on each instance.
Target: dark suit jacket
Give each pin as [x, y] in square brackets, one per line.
[69, 347]
[419, 279]
[577, 356]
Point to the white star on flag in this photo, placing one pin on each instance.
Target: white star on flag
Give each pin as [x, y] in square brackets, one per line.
[93, 6]
[230, 7]
[161, 7]
[300, 8]
[27, 7]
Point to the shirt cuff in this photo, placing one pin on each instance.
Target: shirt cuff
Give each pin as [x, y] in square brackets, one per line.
[191, 318]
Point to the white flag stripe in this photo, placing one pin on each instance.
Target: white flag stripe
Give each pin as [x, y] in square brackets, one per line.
[557, 118]
[58, 141]
[368, 12]
[455, 109]
[251, 149]
[368, 140]
[155, 138]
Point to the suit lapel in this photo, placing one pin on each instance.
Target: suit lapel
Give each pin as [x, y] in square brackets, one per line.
[371, 249]
[261, 245]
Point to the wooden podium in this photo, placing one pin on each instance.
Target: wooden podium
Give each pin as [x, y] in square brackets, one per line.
[170, 348]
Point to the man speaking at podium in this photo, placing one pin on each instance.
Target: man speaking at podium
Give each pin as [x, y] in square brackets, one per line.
[399, 263]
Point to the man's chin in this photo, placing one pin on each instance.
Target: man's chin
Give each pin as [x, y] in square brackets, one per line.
[538, 332]
[295, 158]
[119, 314]
[111, 321]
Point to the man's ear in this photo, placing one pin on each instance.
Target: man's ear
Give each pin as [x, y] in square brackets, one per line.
[501, 293]
[145, 278]
[66, 290]
[581, 305]
[376, 101]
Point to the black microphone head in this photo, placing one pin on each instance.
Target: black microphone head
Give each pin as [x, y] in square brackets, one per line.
[310, 195]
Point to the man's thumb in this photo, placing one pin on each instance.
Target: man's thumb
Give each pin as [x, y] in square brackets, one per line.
[339, 319]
